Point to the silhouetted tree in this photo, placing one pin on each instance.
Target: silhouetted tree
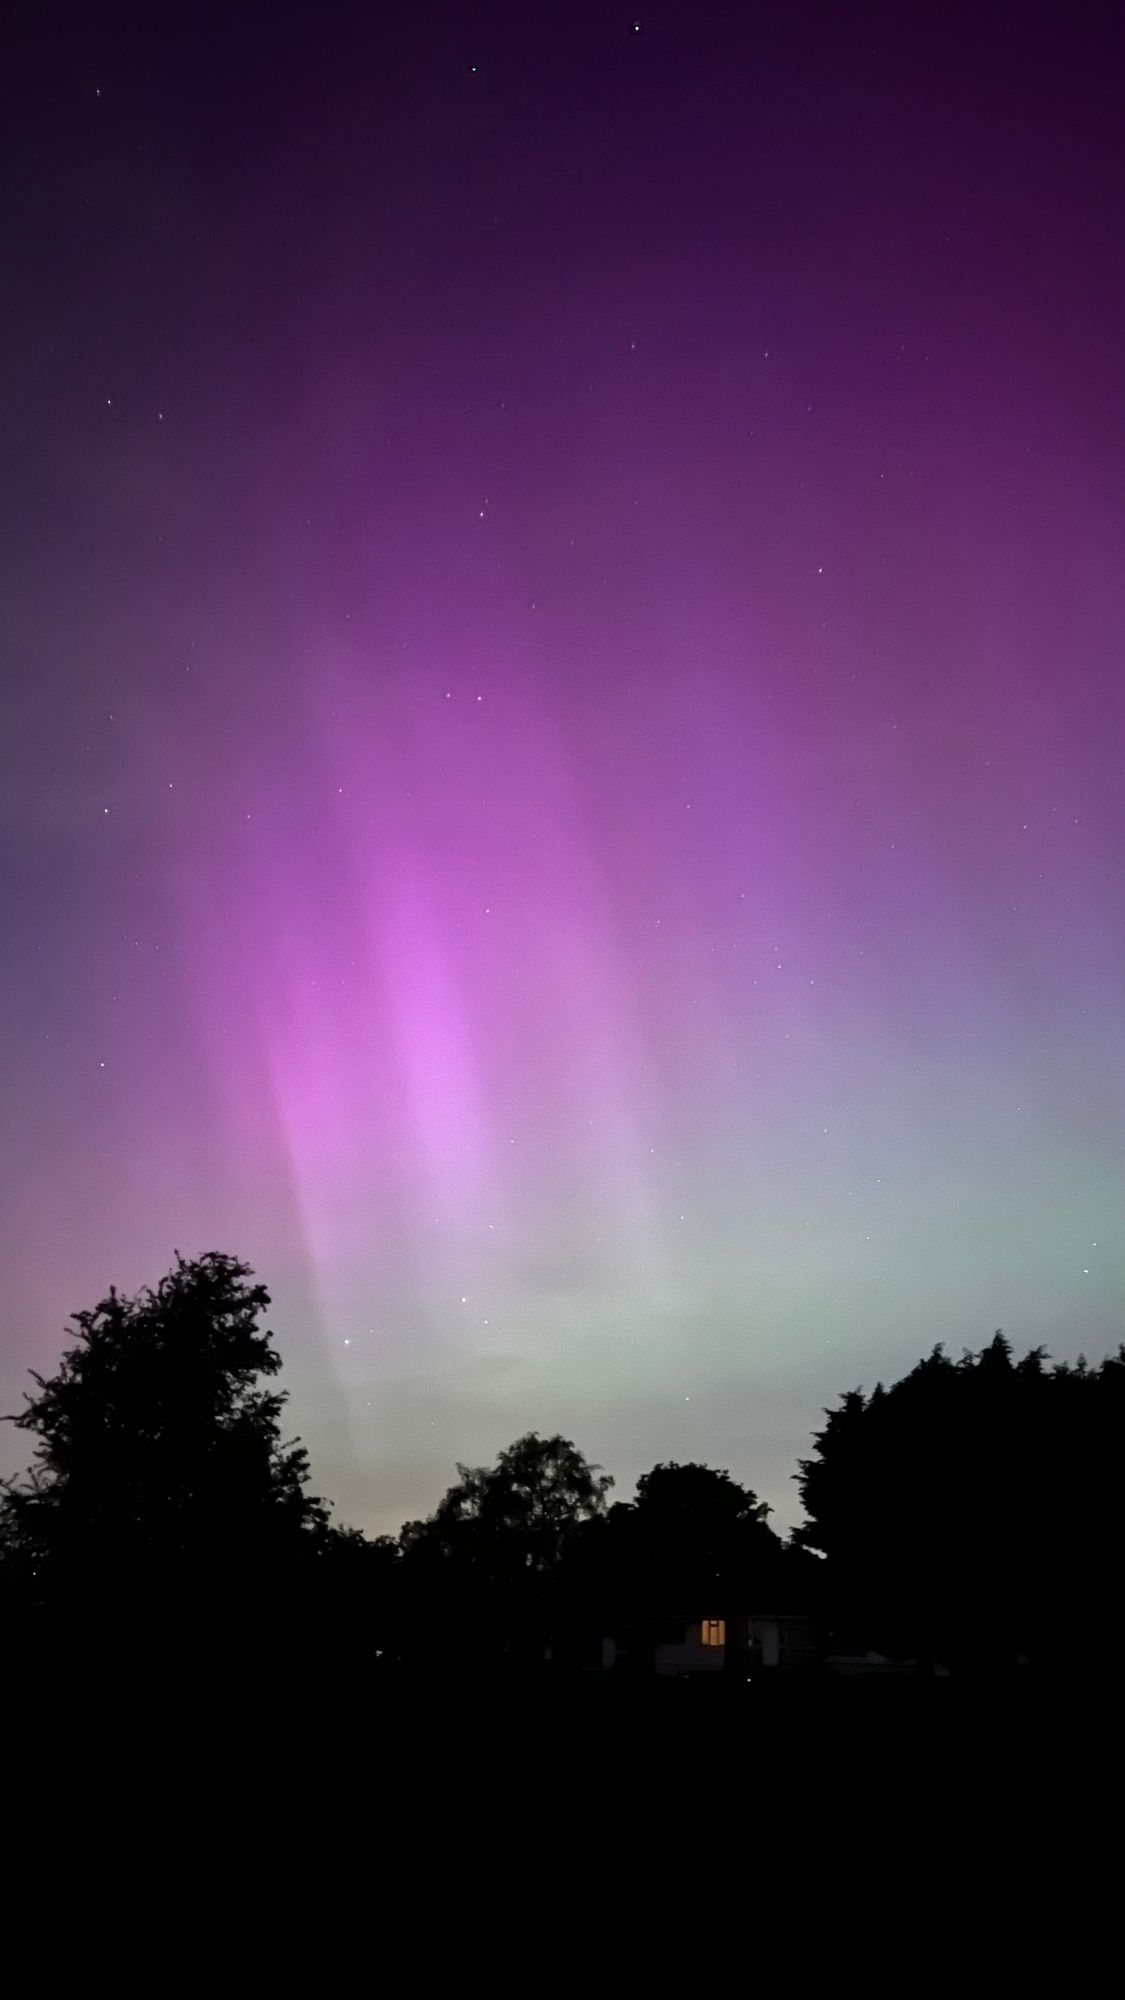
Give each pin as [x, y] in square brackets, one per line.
[693, 1531]
[486, 1564]
[532, 1498]
[163, 1502]
[350, 1602]
[692, 1543]
[973, 1512]
[696, 1502]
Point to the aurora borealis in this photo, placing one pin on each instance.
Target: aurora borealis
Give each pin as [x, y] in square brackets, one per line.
[563, 778]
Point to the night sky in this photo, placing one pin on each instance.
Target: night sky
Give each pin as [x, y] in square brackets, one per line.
[562, 773]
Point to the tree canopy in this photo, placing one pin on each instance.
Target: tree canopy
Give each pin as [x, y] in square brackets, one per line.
[693, 1530]
[490, 1558]
[160, 1473]
[974, 1510]
[534, 1496]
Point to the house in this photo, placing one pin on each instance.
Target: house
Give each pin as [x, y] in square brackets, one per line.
[768, 1640]
[688, 1645]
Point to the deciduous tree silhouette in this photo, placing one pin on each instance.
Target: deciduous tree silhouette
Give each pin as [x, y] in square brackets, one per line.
[972, 1513]
[692, 1543]
[699, 1508]
[487, 1562]
[163, 1499]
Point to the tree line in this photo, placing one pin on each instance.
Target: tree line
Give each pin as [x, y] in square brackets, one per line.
[969, 1515]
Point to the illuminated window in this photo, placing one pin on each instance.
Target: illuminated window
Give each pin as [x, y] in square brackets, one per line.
[713, 1631]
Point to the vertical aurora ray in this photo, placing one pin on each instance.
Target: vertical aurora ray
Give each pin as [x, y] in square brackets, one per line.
[562, 790]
